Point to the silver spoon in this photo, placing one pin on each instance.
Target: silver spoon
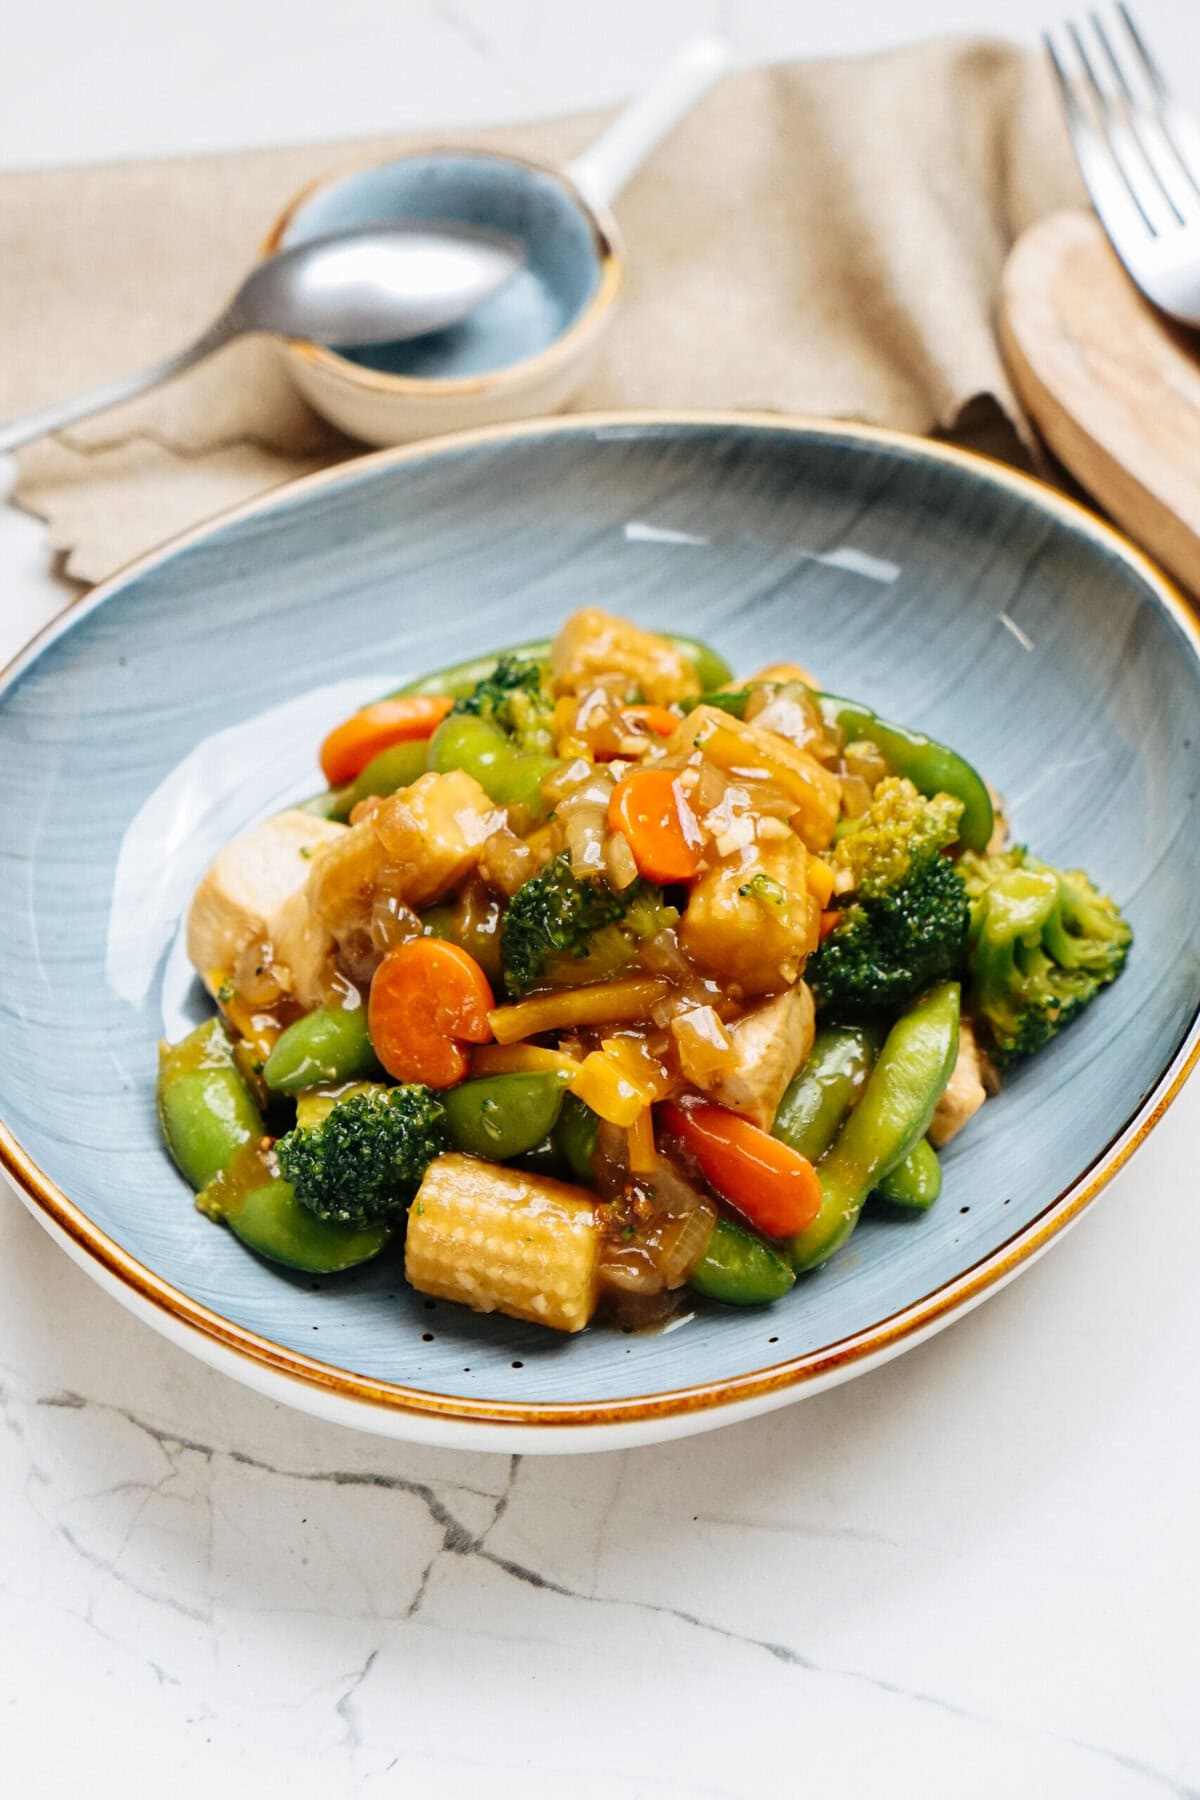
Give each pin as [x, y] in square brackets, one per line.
[374, 284]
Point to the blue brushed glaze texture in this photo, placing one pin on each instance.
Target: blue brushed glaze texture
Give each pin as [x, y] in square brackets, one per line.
[1091, 734]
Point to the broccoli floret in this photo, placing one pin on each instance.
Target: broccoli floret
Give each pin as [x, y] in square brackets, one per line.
[904, 918]
[1042, 944]
[562, 927]
[363, 1162]
[514, 697]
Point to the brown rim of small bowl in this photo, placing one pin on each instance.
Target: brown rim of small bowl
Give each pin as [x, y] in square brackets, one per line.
[875, 1342]
[610, 259]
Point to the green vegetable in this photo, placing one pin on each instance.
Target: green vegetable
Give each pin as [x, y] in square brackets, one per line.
[891, 1117]
[507, 774]
[385, 774]
[1042, 944]
[263, 1212]
[544, 1159]
[329, 1044]
[561, 927]
[712, 671]
[463, 678]
[739, 1268]
[362, 1163]
[205, 1109]
[514, 697]
[502, 1116]
[316, 1104]
[725, 700]
[575, 1137]
[915, 1183]
[824, 1088]
[905, 923]
[326, 805]
[474, 925]
[931, 767]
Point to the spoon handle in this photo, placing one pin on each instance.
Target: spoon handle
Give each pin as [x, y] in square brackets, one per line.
[113, 393]
[605, 167]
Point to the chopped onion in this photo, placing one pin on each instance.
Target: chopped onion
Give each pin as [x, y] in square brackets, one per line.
[622, 869]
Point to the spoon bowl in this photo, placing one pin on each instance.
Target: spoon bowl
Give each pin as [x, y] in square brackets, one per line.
[379, 284]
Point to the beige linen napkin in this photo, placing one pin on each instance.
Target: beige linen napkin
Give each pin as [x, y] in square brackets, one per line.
[822, 237]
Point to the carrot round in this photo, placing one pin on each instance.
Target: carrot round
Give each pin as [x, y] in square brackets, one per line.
[351, 745]
[775, 1187]
[830, 921]
[429, 1000]
[658, 824]
[650, 721]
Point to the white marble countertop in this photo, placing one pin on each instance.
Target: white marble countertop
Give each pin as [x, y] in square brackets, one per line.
[974, 1572]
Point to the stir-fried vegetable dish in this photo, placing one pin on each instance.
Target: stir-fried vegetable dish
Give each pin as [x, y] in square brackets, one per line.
[597, 977]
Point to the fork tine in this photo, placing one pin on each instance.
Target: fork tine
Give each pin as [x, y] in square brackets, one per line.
[1120, 210]
[1145, 122]
[1178, 127]
[1116, 139]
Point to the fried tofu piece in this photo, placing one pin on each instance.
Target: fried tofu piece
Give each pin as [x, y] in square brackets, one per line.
[751, 921]
[247, 884]
[769, 1043]
[593, 643]
[432, 833]
[964, 1094]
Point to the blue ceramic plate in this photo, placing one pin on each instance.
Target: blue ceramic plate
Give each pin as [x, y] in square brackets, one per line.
[184, 699]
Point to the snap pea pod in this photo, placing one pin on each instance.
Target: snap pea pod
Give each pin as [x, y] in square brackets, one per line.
[262, 1211]
[461, 678]
[507, 775]
[395, 768]
[329, 1044]
[575, 1135]
[326, 805]
[915, 1183]
[544, 1159]
[475, 928]
[892, 1116]
[712, 671]
[825, 1088]
[502, 1116]
[739, 1268]
[932, 768]
[206, 1111]
[726, 700]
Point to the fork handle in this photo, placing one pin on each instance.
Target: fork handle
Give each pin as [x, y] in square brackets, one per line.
[112, 393]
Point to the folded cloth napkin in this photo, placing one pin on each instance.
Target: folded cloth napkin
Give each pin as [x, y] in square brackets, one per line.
[822, 237]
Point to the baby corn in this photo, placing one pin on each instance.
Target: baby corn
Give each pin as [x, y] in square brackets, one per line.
[498, 1240]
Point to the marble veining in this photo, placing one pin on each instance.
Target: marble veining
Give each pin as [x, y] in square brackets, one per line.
[341, 1612]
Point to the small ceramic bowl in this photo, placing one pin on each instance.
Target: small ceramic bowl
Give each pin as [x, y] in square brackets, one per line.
[525, 351]
[529, 348]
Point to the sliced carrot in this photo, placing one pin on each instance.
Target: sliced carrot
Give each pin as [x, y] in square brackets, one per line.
[650, 810]
[351, 745]
[773, 1185]
[656, 721]
[829, 922]
[429, 1000]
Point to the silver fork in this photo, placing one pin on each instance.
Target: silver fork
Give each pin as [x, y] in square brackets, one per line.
[1138, 151]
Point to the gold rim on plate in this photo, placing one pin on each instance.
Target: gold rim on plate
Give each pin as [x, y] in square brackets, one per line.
[877, 1341]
